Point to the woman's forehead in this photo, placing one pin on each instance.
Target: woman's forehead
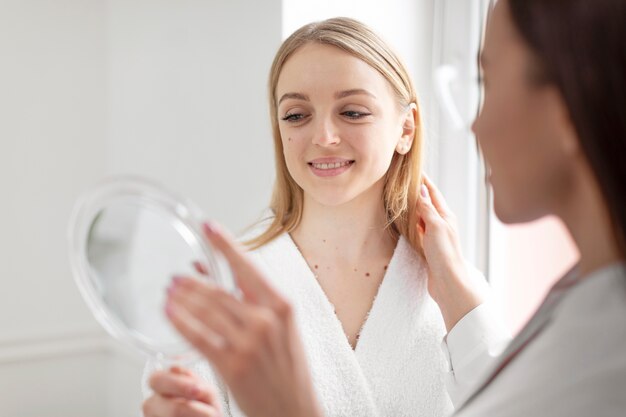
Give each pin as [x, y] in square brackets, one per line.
[502, 43]
[324, 68]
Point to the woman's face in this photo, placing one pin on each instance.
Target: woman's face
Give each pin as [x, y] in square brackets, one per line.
[524, 129]
[340, 124]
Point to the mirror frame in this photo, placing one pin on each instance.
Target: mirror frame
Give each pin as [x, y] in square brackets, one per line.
[151, 195]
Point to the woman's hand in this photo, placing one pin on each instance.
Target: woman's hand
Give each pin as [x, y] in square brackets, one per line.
[179, 392]
[449, 282]
[252, 341]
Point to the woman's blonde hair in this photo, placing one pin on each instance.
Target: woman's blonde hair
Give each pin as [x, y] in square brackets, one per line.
[402, 178]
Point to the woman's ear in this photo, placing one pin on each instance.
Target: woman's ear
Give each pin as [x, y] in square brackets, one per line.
[409, 124]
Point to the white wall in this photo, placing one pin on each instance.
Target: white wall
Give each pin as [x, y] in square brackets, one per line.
[52, 107]
[170, 90]
[187, 99]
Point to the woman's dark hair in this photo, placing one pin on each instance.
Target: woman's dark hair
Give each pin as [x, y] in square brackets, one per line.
[580, 47]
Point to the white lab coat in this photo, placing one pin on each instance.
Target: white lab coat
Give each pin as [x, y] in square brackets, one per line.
[574, 366]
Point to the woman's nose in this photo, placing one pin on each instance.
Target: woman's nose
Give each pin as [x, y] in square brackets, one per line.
[325, 133]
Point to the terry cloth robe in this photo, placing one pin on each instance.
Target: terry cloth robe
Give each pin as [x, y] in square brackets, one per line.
[398, 367]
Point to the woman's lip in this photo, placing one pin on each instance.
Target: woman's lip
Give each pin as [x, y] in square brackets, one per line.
[329, 160]
[330, 172]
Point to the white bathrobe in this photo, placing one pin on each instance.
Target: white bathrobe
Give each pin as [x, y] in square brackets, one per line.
[398, 367]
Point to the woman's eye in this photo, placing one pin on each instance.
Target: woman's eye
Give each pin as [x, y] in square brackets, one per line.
[293, 117]
[350, 114]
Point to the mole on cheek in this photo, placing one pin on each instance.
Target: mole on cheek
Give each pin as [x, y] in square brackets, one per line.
[367, 274]
[315, 266]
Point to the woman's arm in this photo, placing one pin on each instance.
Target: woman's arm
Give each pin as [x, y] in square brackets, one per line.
[449, 282]
[476, 333]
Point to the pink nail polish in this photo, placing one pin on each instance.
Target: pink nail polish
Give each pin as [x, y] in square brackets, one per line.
[209, 228]
[195, 391]
[424, 191]
[200, 268]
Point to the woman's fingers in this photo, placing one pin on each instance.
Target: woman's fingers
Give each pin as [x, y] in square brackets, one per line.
[201, 295]
[427, 211]
[433, 210]
[211, 307]
[186, 385]
[208, 342]
[249, 279]
[200, 268]
[160, 406]
[223, 314]
[437, 199]
[204, 315]
[182, 371]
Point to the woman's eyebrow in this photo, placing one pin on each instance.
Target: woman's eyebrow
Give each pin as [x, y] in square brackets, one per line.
[296, 96]
[354, 91]
[338, 95]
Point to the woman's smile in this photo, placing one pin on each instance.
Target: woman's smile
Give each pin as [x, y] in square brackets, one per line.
[330, 167]
[334, 109]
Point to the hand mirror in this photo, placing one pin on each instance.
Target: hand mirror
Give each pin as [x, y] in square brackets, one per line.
[127, 238]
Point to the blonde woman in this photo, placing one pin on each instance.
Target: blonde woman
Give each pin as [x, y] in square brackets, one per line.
[343, 246]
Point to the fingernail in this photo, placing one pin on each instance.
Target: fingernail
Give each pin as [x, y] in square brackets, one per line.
[176, 279]
[200, 268]
[195, 391]
[209, 228]
[424, 191]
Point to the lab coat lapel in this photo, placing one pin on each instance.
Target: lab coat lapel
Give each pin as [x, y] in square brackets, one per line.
[534, 327]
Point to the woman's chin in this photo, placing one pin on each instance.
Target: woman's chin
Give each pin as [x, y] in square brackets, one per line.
[512, 213]
[331, 198]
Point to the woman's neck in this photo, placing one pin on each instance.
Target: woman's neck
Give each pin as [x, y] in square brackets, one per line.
[349, 232]
[587, 218]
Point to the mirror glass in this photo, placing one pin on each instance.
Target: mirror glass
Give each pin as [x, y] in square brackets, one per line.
[128, 238]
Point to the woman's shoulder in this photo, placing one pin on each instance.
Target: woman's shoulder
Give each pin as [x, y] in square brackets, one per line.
[256, 228]
[254, 231]
[407, 259]
[267, 251]
[587, 327]
[594, 304]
